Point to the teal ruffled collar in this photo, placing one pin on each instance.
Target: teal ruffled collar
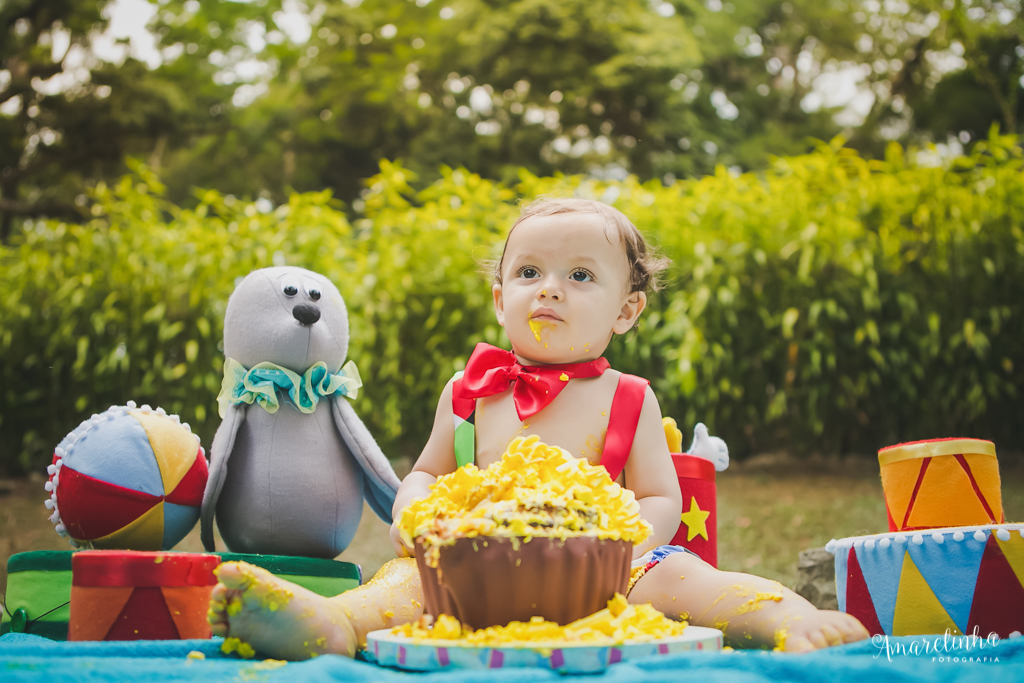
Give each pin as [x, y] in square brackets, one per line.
[261, 383]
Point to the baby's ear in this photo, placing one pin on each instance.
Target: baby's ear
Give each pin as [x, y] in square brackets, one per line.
[499, 303]
[631, 309]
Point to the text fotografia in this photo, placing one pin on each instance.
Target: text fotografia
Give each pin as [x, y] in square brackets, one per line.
[944, 648]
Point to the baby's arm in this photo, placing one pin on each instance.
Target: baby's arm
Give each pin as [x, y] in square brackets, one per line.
[652, 478]
[437, 459]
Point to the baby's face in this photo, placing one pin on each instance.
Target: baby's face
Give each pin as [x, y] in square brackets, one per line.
[565, 289]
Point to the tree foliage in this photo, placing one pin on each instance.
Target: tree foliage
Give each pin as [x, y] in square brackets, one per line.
[256, 99]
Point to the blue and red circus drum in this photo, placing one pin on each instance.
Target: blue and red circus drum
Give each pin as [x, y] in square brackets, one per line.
[127, 479]
[698, 526]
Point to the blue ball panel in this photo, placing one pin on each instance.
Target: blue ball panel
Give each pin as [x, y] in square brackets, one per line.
[118, 452]
[178, 521]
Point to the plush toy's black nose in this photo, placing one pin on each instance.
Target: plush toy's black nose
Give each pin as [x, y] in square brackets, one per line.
[306, 314]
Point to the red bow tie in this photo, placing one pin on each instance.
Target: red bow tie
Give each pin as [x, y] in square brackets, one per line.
[491, 370]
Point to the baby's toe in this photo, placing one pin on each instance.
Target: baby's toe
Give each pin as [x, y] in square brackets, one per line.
[220, 627]
[797, 642]
[832, 635]
[818, 639]
[218, 597]
[231, 576]
[851, 629]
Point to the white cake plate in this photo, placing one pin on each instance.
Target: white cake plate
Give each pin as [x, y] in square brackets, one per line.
[573, 658]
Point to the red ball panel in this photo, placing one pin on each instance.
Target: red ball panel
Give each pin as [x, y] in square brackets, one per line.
[91, 508]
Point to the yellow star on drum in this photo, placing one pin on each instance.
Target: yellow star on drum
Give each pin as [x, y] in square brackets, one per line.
[695, 521]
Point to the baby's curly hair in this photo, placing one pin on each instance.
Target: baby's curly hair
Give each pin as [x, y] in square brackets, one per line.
[645, 265]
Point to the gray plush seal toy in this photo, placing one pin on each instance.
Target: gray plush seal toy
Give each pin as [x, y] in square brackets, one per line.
[291, 461]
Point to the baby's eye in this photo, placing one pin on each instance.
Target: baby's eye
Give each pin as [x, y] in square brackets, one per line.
[580, 275]
[528, 272]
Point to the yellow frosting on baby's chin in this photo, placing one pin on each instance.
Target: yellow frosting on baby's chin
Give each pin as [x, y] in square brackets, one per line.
[538, 326]
[534, 490]
[618, 622]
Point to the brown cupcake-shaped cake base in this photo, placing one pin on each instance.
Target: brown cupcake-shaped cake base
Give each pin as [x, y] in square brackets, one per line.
[492, 581]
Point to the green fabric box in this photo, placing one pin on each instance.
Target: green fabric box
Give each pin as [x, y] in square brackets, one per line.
[38, 594]
[323, 577]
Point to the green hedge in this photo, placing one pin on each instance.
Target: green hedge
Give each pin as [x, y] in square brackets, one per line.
[830, 304]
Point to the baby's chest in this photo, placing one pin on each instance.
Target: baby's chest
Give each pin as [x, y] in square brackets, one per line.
[577, 420]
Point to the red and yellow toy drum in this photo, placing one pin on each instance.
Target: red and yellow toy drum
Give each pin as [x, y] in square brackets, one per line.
[941, 483]
[131, 595]
[698, 527]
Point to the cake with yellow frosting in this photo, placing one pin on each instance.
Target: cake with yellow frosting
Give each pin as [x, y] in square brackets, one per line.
[537, 534]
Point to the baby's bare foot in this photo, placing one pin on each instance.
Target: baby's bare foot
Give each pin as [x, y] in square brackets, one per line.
[277, 618]
[818, 629]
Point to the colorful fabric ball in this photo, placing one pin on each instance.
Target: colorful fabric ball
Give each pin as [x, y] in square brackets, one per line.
[127, 479]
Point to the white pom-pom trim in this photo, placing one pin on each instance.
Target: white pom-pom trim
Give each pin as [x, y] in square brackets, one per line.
[131, 405]
[48, 486]
[49, 503]
[829, 547]
[869, 544]
[918, 539]
[979, 536]
[1003, 534]
[958, 536]
[938, 538]
[885, 543]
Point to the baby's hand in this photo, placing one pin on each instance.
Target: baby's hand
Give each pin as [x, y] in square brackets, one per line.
[401, 549]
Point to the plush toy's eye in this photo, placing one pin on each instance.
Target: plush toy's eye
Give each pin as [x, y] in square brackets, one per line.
[290, 290]
[314, 294]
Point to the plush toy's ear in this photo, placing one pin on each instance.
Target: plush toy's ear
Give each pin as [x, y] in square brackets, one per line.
[380, 481]
[220, 451]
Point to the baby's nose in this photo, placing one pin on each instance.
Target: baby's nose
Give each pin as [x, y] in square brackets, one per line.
[549, 293]
[551, 289]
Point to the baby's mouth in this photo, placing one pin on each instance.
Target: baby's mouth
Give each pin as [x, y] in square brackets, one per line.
[545, 314]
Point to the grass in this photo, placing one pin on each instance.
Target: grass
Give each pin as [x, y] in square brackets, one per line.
[769, 509]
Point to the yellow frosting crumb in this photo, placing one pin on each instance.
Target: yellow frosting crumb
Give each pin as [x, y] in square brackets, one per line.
[535, 490]
[269, 664]
[617, 623]
[780, 639]
[243, 649]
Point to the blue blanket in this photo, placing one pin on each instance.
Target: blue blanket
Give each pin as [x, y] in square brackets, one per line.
[895, 660]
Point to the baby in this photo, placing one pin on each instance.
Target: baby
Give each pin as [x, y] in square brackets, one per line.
[573, 274]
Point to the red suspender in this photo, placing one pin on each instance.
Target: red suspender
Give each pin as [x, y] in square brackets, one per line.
[461, 407]
[622, 421]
